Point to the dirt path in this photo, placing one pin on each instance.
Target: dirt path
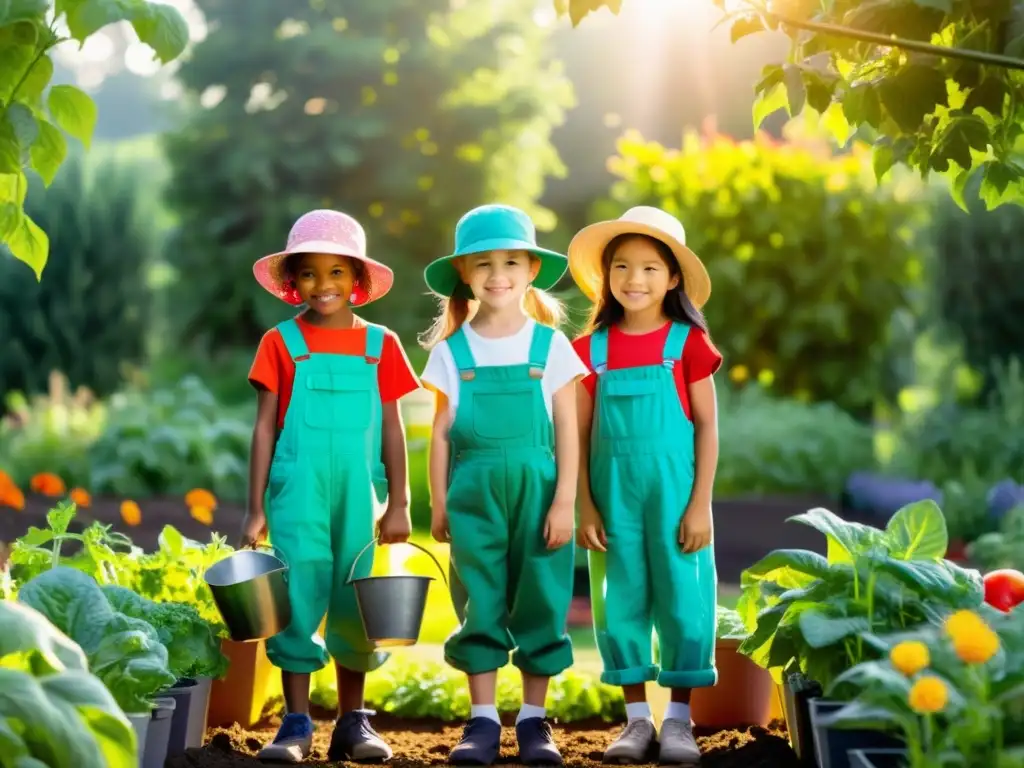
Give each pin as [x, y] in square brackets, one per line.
[427, 744]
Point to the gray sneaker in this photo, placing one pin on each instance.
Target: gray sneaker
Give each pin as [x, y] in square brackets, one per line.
[354, 739]
[293, 741]
[678, 747]
[634, 745]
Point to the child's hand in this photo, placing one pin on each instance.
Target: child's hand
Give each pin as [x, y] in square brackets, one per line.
[439, 527]
[695, 530]
[254, 529]
[395, 525]
[590, 534]
[559, 524]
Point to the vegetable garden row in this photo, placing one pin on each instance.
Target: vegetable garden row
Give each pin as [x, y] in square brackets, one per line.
[118, 657]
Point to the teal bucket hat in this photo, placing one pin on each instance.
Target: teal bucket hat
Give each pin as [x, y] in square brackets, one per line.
[492, 228]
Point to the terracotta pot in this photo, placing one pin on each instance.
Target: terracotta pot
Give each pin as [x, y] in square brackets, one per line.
[743, 695]
[250, 683]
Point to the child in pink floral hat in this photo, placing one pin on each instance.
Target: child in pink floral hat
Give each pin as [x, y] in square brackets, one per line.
[328, 451]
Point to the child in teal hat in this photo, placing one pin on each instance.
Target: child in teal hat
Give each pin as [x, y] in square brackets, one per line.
[503, 468]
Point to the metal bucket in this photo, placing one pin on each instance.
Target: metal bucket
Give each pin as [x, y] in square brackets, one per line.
[391, 607]
[250, 589]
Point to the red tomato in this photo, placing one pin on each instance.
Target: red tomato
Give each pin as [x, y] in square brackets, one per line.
[1004, 589]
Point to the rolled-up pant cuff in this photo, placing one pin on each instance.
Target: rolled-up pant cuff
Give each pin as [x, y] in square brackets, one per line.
[296, 666]
[631, 676]
[704, 678]
[547, 665]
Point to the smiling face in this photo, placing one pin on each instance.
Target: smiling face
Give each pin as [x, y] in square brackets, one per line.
[499, 278]
[323, 281]
[638, 275]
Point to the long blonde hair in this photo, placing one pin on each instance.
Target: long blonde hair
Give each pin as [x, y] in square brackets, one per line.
[454, 311]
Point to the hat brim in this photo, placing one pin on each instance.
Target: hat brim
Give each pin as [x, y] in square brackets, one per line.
[443, 278]
[269, 272]
[587, 249]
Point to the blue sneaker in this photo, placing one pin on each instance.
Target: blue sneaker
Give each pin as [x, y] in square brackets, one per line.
[479, 745]
[536, 742]
[293, 742]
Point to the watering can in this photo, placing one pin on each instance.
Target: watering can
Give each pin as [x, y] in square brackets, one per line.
[391, 607]
[250, 589]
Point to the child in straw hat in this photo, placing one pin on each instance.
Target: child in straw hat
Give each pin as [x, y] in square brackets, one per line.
[648, 454]
[328, 448]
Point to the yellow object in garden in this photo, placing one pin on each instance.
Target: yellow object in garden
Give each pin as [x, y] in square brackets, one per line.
[203, 515]
[48, 484]
[130, 513]
[910, 657]
[973, 640]
[200, 497]
[928, 695]
[81, 497]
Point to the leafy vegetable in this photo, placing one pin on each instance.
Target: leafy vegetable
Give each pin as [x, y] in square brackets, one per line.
[192, 648]
[1003, 548]
[124, 652]
[52, 711]
[730, 624]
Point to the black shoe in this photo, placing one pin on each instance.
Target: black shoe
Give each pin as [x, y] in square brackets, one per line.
[354, 739]
[536, 742]
[479, 745]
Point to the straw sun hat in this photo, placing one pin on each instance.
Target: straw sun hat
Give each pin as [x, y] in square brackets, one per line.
[587, 248]
[330, 232]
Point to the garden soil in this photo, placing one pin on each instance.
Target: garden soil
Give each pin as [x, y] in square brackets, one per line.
[428, 743]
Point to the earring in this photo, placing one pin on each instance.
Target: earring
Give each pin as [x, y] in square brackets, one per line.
[358, 295]
[290, 293]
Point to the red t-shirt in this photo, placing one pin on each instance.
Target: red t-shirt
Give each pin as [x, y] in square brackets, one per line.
[700, 359]
[274, 368]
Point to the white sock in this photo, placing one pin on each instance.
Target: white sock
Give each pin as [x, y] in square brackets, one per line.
[677, 710]
[530, 710]
[638, 710]
[490, 711]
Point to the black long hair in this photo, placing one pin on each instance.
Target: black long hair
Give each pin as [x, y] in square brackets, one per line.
[359, 273]
[676, 305]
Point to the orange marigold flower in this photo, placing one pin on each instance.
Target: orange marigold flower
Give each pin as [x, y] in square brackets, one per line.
[130, 513]
[81, 497]
[11, 496]
[202, 514]
[200, 497]
[48, 484]
[910, 657]
[6, 481]
[929, 694]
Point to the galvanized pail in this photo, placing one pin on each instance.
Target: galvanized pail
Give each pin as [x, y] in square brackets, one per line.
[391, 607]
[250, 589]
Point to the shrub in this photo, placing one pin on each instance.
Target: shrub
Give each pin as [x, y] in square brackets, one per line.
[809, 258]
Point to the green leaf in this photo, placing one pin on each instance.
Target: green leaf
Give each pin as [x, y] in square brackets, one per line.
[768, 103]
[74, 111]
[1015, 47]
[883, 158]
[10, 216]
[35, 82]
[946, 6]
[778, 562]
[10, 150]
[956, 140]
[861, 105]
[164, 30]
[13, 58]
[13, 188]
[821, 630]
[48, 152]
[845, 539]
[796, 94]
[834, 121]
[917, 532]
[60, 517]
[958, 187]
[989, 95]
[90, 16]
[746, 25]
[1002, 182]
[820, 87]
[23, 123]
[22, 10]
[913, 93]
[30, 244]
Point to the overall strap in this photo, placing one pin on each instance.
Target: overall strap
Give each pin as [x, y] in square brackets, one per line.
[293, 339]
[374, 343]
[599, 350]
[462, 355]
[674, 343]
[540, 346]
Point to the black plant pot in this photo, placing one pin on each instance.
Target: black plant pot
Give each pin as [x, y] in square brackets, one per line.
[797, 693]
[831, 744]
[878, 758]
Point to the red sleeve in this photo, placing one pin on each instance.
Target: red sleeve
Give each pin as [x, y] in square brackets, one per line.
[700, 357]
[582, 347]
[266, 367]
[395, 376]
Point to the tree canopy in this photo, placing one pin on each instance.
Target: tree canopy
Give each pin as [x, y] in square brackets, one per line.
[934, 84]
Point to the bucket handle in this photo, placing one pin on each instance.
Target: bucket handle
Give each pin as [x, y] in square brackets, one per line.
[421, 548]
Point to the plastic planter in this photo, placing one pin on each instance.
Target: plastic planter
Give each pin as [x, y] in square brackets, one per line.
[188, 726]
[155, 753]
[140, 723]
[796, 708]
[878, 758]
[831, 744]
[250, 683]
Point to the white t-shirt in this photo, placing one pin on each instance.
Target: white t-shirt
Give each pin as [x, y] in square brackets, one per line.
[563, 364]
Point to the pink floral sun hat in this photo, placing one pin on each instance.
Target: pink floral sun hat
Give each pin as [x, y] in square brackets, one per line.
[325, 231]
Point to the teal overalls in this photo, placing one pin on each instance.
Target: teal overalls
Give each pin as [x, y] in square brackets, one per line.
[641, 476]
[325, 483]
[516, 591]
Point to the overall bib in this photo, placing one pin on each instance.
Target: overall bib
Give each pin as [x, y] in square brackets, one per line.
[516, 591]
[325, 483]
[641, 477]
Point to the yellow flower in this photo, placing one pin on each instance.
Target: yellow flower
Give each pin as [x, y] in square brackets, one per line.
[130, 513]
[200, 497]
[928, 695]
[910, 657]
[973, 640]
[202, 514]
